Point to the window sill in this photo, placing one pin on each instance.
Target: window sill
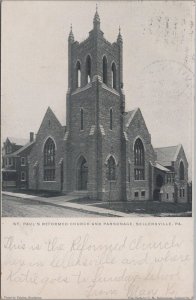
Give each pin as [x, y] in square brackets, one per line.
[140, 180]
[23, 180]
[49, 180]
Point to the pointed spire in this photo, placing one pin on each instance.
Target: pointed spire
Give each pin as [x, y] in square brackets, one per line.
[71, 36]
[96, 20]
[119, 38]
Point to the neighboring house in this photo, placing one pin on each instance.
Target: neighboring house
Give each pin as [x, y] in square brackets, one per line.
[15, 154]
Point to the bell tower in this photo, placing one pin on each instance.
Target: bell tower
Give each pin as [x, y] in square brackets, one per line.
[94, 109]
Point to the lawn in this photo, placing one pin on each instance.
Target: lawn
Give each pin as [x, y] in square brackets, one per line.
[147, 207]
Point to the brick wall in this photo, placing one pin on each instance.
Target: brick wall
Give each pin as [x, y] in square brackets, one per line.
[111, 141]
[80, 142]
[50, 127]
[137, 128]
[95, 99]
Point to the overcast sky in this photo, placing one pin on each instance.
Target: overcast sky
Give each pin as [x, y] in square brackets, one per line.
[158, 62]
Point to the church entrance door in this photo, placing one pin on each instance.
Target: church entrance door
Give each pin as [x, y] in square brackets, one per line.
[82, 174]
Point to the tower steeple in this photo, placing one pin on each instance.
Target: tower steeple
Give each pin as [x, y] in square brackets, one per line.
[96, 20]
[119, 38]
[71, 36]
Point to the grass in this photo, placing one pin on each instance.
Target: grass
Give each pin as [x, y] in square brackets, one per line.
[147, 207]
[139, 207]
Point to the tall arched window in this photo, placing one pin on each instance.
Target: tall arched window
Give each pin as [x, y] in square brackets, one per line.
[49, 160]
[105, 70]
[81, 119]
[113, 75]
[78, 74]
[111, 168]
[181, 171]
[88, 69]
[111, 118]
[139, 160]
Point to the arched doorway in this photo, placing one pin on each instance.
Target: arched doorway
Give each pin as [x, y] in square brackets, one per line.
[82, 174]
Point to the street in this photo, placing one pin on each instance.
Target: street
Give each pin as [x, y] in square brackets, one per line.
[18, 207]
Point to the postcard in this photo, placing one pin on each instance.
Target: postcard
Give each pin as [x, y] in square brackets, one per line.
[97, 149]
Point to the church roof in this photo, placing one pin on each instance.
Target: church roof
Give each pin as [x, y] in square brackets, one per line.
[165, 155]
[50, 115]
[128, 116]
[162, 168]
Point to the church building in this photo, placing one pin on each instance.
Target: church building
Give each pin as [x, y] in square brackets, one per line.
[103, 150]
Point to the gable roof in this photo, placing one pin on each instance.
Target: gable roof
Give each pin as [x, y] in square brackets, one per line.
[128, 116]
[17, 141]
[165, 155]
[49, 113]
[17, 152]
[162, 168]
[28, 145]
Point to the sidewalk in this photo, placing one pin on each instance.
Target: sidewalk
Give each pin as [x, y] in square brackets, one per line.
[62, 201]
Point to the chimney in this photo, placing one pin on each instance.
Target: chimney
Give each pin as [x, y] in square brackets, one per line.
[31, 136]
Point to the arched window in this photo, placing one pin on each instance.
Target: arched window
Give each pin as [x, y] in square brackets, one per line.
[105, 70]
[114, 76]
[88, 69]
[181, 171]
[111, 168]
[81, 119]
[82, 174]
[49, 160]
[111, 118]
[139, 161]
[78, 74]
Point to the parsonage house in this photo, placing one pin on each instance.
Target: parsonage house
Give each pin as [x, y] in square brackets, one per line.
[103, 150]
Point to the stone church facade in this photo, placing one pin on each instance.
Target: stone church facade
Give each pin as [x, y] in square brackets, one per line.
[103, 149]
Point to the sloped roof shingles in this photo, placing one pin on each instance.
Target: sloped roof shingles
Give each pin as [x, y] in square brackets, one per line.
[128, 116]
[166, 155]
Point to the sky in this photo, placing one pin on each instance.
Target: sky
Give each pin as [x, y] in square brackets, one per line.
[158, 62]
